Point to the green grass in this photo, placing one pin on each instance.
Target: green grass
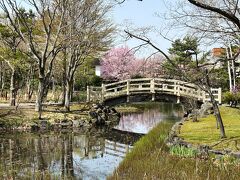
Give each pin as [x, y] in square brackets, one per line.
[183, 151]
[205, 131]
[150, 159]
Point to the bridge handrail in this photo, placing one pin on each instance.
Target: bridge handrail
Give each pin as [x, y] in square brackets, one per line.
[154, 85]
[149, 79]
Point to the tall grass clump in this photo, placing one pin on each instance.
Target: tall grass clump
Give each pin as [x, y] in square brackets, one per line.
[150, 159]
[183, 151]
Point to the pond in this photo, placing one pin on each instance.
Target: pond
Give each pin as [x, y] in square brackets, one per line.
[78, 154]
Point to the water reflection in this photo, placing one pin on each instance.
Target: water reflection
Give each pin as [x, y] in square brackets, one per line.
[74, 156]
[92, 154]
[143, 122]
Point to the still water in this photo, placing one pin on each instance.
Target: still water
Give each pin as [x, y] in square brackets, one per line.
[80, 154]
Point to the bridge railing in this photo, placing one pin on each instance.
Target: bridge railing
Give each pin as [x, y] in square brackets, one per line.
[152, 85]
[94, 93]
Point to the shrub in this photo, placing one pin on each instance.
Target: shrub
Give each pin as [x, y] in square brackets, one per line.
[228, 97]
[231, 98]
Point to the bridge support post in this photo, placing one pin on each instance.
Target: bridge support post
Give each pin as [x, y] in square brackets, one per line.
[178, 99]
[220, 95]
[153, 96]
[152, 89]
[128, 98]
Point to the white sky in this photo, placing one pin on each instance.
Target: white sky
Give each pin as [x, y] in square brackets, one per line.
[142, 14]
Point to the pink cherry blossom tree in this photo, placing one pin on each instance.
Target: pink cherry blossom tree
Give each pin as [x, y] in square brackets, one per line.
[118, 64]
[152, 67]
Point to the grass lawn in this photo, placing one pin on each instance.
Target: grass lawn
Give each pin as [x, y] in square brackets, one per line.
[205, 131]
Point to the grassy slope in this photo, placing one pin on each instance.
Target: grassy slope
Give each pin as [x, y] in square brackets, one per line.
[205, 132]
[150, 160]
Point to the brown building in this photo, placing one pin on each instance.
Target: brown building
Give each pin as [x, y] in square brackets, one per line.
[221, 52]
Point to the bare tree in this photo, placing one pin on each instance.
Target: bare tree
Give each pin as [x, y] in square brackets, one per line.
[213, 21]
[40, 30]
[11, 54]
[89, 33]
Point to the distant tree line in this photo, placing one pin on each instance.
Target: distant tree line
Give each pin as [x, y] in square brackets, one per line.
[44, 42]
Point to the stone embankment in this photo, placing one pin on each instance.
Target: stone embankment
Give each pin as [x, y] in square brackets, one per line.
[203, 150]
[98, 115]
[103, 115]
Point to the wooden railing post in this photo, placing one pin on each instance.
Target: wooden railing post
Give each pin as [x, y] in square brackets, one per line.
[103, 92]
[178, 88]
[220, 95]
[175, 87]
[152, 86]
[128, 90]
[88, 94]
[128, 87]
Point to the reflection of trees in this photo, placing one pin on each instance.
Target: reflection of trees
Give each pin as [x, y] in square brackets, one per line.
[67, 155]
[146, 120]
[42, 166]
[29, 156]
[63, 157]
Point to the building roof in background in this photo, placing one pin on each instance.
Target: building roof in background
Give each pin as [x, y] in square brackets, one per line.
[218, 52]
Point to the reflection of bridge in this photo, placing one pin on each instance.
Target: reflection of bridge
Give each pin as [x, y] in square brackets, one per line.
[114, 148]
[110, 141]
[151, 86]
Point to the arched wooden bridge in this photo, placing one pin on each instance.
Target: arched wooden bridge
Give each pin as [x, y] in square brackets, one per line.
[151, 86]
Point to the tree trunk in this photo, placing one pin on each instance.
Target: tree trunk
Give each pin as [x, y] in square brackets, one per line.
[53, 89]
[233, 67]
[13, 93]
[40, 96]
[29, 91]
[68, 95]
[218, 116]
[64, 77]
[29, 83]
[2, 79]
[215, 107]
[229, 71]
